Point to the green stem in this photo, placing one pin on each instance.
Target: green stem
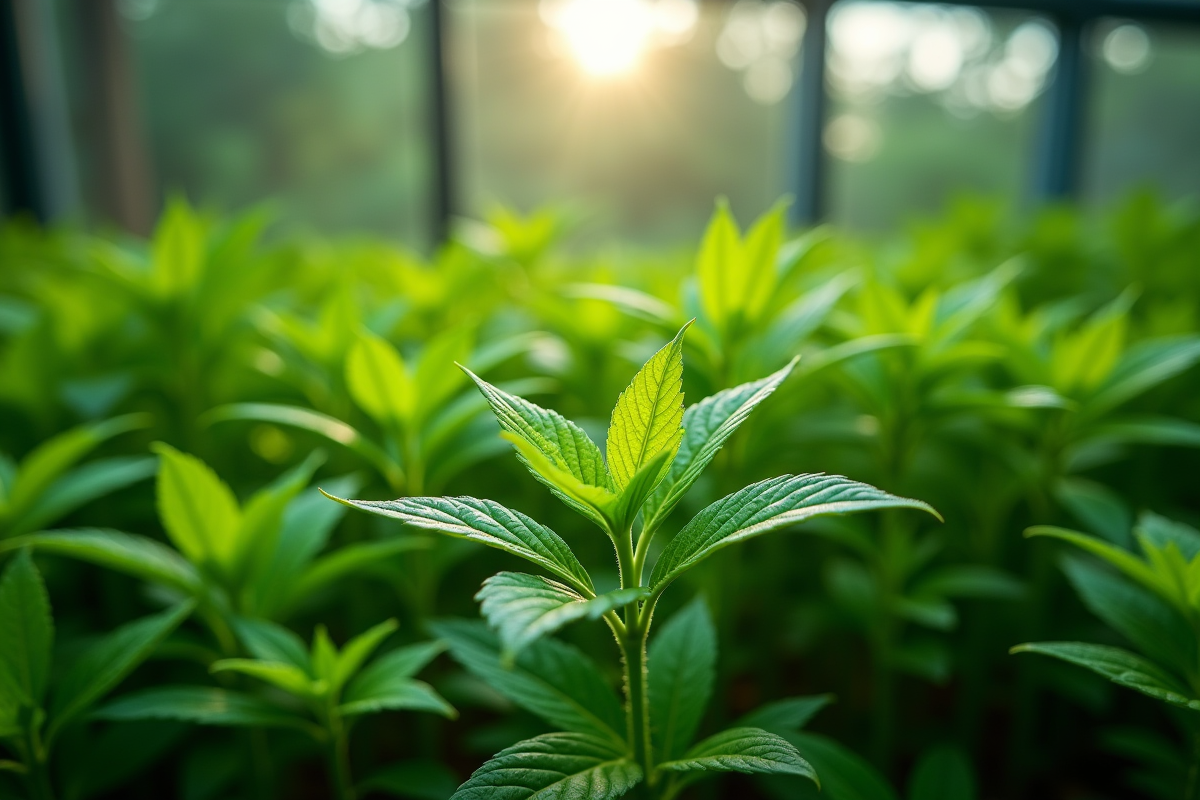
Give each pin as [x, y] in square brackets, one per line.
[339, 758]
[633, 650]
[38, 776]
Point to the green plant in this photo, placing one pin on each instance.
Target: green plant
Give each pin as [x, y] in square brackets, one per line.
[328, 689]
[655, 452]
[40, 699]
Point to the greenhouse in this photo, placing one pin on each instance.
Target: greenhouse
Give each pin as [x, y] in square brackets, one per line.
[585, 399]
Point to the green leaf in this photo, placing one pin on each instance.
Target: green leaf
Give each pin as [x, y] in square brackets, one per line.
[262, 518]
[707, 426]
[790, 714]
[379, 382]
[1123, 560]
[268, 641]
[203, 705]
[969, 580]
[718, 264]
[594, 502]
[682, 666]
[358, 650]
[26, 633]
[403, 662]
[648, 414]
[550, 679]
[138, 556]
[1119, 666]
[80, 486]
[1099, 508]
[1145, 429]
[943, 773]
[51, 459]
[98, 671]
[766, 506]
[751, 750]
[418, 779]
[1142, 367]
[554, 766]
[523, 608]
[401, 694]
[844, 774]
[288, 677]
[305, 419]
[348, 560]
[198, 511]
[487, 522]
[437, 378]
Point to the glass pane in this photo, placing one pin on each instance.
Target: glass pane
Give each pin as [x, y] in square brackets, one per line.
[928, 101]
[640, 112]
[1144, 127]
[315, 105]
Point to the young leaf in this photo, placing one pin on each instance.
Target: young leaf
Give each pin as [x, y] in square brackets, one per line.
[707, 425]
[523, 608]
[790, 714]
[550, 679]
[358, 650]
[379, 381]
[288, 677]
[402, 694]
[1119, 666]
[718, 265]
[198, 510]
[109, 661]
[138, 556]
[554, 766]
[204, 705]
[26, 633]
[487, 522]
[943, 773]
[682, 666]
[594, 502]
[267, 641]
[648, 414]
[766, 506]
[750, 750]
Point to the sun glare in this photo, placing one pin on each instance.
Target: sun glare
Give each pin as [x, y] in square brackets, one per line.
[609, 37]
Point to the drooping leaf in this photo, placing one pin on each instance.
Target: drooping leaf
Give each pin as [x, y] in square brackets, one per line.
[133, 555]
[550, 679]
[766, 506]
[203, 705]
[401, 694]
[523, 608]
[647, 417]
[751, 750]
[198, 511]
[379, 382]
[943, 773]
[80, 486]
[26, 633]
[1119, 666]
[682, 662]
[554, 766]
[707, 426]
[790, 714]
[108, 662]
[487, 522]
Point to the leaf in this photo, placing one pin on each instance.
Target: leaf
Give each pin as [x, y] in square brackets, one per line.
[82, 485]
[1099, 508]
[766, 506]
[844, 774]
[595, 503]
[682, 663]
[108, 662]
[268, 641]
[751, 750]
[437, 378]
[358, 650]
[943, 773]
[26, 633]
[198, 511]
[138, 556]
[523, 608]
[1145, 429]
[717, 263]
[487, 522]
[1119, 666]
[204, 705]
[1123, 560]
[554, 766]
[259, 531]
[379, 382]
[346, 561]
[321, 424]
[419, 779]
[648, 414]
[1142, 367]
[637, 304]
[550, 679]
[386, 683]
[790, 714]
[399, 695]
[707, 426]
[969, 580]
[286, 676]
[403, 662]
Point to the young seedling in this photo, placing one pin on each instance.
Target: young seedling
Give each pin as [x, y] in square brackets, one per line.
[655, 452]
[34, 709]
[329, 689]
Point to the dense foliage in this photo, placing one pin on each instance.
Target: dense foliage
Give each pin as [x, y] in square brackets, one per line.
[183, 613]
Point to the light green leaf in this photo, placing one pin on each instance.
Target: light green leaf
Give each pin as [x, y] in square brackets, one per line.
[648, 414]
[348, 560]
[1142, 367]
[1119, 666]
[203, 705]
[288, 677]
[80, 486]
[943, 773]
[178, 250]
[26, 633]
[523, 608]
[98, 671]
[550, 679]
[379, 381]
[268, 641]
[487, 522]
[1123, 560]
[259, 531]
[358, 650]
[198, 511]
[707, 426]
[138, 556]
[790, 714]
[766, 506]
[594, 502]
[401, 694]
[554, 766]
[751, 750]
[633, 302]
[682, 666]
[437, 376]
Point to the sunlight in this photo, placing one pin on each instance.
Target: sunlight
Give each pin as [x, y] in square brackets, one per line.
[609, 37]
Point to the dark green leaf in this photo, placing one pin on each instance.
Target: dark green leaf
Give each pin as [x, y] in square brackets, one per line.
[1142, 367]
[26, 633]
[402, 694]
[203, 705]
[790, 714]
[844, 774]
[418, 779]
[82, 485]
[751, 750]
[554, 766]
[1119, 666]
[133, 555]
[943, 773]
[682, 664]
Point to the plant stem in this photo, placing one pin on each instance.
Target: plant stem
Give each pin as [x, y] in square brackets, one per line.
[38, 777]
[339, 758]
[633, 649]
